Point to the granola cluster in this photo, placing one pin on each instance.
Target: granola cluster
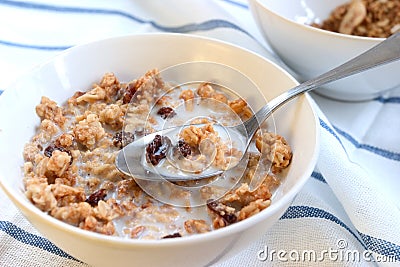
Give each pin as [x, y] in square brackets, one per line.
[370, 18]
[69, 169]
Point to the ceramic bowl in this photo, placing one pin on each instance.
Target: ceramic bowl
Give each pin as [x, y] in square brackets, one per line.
[131, 56]
[310, 51]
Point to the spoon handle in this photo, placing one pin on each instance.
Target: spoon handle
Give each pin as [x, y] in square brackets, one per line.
[385, 52]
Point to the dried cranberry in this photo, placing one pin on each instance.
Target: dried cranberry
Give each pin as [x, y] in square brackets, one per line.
[130, 91]
[174, 235]
[94, 198]
[184, 148]
[122, 138]
[50, 149]
[222, 210]
[166, 112]
[156, 150]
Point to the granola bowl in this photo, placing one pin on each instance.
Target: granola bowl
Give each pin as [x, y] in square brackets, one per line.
[66, 184]
[310, 51]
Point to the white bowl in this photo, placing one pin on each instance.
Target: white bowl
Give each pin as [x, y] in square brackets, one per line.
[309, 51]
[129, 57]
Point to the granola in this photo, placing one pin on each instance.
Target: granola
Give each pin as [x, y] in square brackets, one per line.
[369, 18]
[69, 169]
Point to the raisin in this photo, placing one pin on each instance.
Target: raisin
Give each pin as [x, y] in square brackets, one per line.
[166, 112]
[130, 91]
[226, 212]
[184, 148]
[94, 198]
[49, 151]
[156, 150]
[174, 235]
[122, 138]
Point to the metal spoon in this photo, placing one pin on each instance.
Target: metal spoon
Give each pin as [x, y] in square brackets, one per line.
[130, 159]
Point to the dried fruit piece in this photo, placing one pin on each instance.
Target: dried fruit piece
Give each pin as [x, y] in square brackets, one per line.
[174, 235]
[184, 148]
[130, 91]
[94, 198]
[166, 112]
[226, 212]
[156, 150]
[122, 138]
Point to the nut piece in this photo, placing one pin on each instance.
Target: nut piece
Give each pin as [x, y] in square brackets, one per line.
[354, 16]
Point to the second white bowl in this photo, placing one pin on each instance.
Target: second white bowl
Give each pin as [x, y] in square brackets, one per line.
[310, 51]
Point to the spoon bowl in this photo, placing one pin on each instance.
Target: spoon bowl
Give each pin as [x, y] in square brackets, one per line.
[131, 159]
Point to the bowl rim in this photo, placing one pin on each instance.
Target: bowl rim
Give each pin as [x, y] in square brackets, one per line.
[28, 209]
[346, 37]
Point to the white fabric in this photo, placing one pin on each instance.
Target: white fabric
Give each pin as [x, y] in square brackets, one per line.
[351, 202]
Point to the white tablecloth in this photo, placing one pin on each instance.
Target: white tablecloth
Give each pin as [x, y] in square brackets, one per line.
[351, 201]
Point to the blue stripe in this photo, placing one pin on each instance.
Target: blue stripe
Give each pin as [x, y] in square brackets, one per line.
[295, 212]
[381, 246]
[1, 91]
[204, 26]
[318, 177]
[376, 245]
[66, 9]
[39, 47]
[332, 132]
[31, 239]
[192, 27]
[376, 150]
[329, 129]
[236, 3]
[390, 100]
